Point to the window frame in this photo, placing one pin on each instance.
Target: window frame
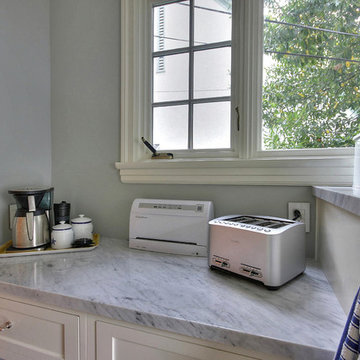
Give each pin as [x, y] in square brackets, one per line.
[246, 163]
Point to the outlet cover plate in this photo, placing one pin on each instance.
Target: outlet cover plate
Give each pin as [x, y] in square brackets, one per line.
[304, 208]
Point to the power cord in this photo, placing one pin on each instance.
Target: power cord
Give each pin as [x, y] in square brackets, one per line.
[297, 214]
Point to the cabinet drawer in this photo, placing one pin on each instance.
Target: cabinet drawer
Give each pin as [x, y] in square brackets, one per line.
[37, 333]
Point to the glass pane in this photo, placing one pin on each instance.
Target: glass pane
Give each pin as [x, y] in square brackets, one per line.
[171, 81]
[212, 73]
[311, 95]
[212, 21]
[170, 127]
[212, 125]
[171, 26]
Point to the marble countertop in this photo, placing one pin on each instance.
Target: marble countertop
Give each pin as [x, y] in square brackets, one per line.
[301, 320]
[346, 198]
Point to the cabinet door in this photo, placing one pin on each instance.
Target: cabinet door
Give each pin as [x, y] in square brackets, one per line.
[37, 333]
[115, 342]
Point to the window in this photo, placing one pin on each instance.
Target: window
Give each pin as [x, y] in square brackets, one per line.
[311, 95]
[171, 113]
[191, 95]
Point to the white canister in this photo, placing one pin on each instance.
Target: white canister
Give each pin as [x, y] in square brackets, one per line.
[356, 177]
[83, 227]
[62, 236]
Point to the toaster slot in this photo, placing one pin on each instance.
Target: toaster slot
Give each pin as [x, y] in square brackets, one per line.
[265, 223]
[271, 224]
[251, 221]
[277, 226]
[245, 219]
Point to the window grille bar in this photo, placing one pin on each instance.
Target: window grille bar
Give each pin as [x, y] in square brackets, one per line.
[184, 50]
[193, 101]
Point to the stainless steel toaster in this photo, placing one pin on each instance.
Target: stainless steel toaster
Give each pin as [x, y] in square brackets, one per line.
[268, 249]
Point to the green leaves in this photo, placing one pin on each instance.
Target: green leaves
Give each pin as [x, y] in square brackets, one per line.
[311, 96]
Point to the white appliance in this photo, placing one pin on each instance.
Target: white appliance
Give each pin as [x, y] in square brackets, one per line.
[171, 226]
[268, 249]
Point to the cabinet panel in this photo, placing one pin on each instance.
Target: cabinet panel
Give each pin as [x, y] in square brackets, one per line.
[115, 342]
[37, 333]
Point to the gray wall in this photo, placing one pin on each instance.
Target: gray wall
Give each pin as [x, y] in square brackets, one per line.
[25, 137]
[85, 48]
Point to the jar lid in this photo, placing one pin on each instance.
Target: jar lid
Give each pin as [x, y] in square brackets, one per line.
[82, 219]
[62, 226]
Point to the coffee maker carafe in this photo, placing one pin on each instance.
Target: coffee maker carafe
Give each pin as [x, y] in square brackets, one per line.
[31, 224]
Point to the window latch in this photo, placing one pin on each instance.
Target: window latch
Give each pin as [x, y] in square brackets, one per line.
[237, 118]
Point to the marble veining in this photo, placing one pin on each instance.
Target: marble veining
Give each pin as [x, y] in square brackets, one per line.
[301, 320]
[346, 198]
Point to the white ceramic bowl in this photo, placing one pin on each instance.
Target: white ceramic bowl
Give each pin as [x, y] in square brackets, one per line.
[62, 236]
[83, 227]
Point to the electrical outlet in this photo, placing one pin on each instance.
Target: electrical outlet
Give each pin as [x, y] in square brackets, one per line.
[304, 209]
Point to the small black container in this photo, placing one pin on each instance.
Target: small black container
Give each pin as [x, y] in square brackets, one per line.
[62, 212]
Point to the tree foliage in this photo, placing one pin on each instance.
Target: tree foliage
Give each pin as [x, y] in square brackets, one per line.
[311, 101]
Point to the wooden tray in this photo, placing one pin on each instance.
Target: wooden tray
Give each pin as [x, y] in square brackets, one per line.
[7, 251]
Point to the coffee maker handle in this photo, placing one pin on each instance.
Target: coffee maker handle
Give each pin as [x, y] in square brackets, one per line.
[30, 224]
[31, 203]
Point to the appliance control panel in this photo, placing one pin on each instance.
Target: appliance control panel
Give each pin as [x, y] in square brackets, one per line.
[220, 262]
[172, 206]
[244, 269]
[250, 271]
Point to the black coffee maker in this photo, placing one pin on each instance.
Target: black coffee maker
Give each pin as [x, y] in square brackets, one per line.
[33, 218]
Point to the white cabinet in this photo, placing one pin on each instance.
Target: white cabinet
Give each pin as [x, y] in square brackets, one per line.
[121, 343]
[37, 333]
[41, 332]
[115, 342]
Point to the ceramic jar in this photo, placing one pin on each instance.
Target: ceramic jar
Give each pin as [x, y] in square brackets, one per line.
[62, 236]
[83, 227]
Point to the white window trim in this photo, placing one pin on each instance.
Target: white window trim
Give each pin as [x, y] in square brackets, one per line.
[254, 167]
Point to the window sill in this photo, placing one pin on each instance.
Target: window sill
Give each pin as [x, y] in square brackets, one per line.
[334, 171]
